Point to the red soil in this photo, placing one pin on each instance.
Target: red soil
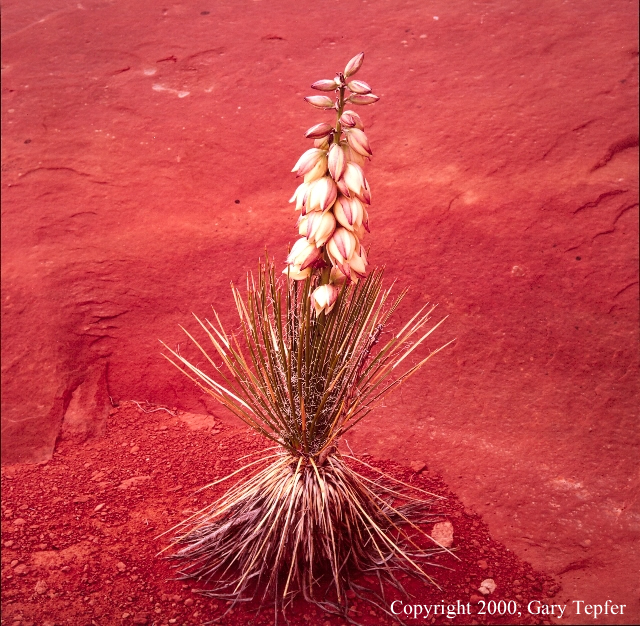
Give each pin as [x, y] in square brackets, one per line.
[80, 532]
[145, 159]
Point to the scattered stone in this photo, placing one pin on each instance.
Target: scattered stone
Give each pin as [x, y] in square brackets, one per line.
[21, 570]
[8, 513]
[417, 466]
[487, 586]
[125, 484]
[135, 449]
[14, 562]
[443, 533]
[140, 619]
[188, 602]
[23, 507]
[100, 506]
[41, 587]
[81, 499]
[482, 564]
[125, 615]
[8, 544]
[65, 569]
[121, 566]
[475, 598]
[19, 522]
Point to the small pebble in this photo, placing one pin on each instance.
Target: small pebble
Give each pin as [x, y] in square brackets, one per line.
[100, 506]
[443, 533]
[188, 602]
[134, 449]
[19, 522]
[417, 466]
[41, 587]
[121, 566]
[487, 586]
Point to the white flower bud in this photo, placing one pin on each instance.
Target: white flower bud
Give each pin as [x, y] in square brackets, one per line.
[303, 254]
[341, 246]
[319, 131]
[322, 194]
[299, 196]
[350, 119]
[359, 86]
[354, 65]
[325, 85]
[308, 161]
[336, 161]
[358, 141]
[365, 98]
[323, 143]
[321, 102]
[320, 227]
[348, 212]
[354, 178]
[324, 297]
[318, 171]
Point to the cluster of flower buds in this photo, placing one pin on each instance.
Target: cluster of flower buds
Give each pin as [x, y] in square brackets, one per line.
[334, 195]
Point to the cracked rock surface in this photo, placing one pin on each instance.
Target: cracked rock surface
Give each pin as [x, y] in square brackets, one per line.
[145, 159]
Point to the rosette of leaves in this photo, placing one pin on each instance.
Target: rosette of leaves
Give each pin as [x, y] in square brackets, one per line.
[307, 518]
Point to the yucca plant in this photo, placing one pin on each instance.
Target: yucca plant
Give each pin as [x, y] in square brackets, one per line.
[312, 357]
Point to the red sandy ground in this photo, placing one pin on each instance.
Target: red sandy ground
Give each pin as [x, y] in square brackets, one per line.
[145, 158]
[80, 542]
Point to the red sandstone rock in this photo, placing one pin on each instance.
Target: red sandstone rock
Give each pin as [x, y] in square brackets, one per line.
[505, 172]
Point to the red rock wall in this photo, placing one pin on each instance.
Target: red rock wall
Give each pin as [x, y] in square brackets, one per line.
[146, 151]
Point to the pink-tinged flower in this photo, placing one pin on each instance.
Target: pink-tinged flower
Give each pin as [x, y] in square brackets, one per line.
[359, 86]
[318, 171]
[295, 273]
[365, 219]
[358, 141]
[322, 194]
[299, 195]
[358, 264]
[365, 98]
[359, 231]
[324, 297]
[336, 161]
[320, 227]
[350, 119]
[365, 193]
[323, 143]
[319, 131]
[342, 188]
[303, 254]
[352, 156]
[308, 161]
[320, 102]
[354, 178]
[337, 277]
[354, 65]
[325, 85]
[348, 212]
[341, 247]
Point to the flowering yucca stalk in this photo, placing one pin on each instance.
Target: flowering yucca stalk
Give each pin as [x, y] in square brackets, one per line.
[308, 363]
